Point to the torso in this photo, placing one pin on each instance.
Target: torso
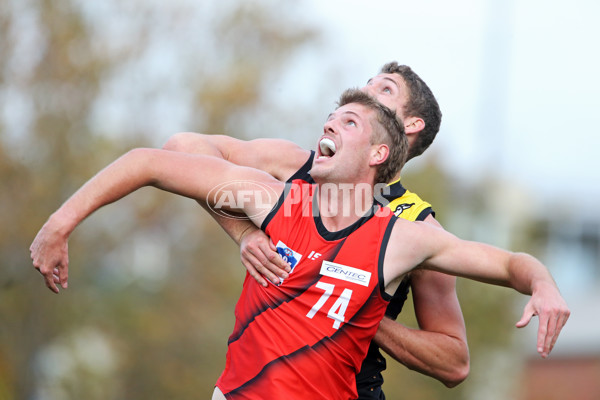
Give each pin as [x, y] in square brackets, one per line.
[307, 337]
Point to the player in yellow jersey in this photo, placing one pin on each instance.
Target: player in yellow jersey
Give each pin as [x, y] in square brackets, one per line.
[439, 348]
[362, 143]
[407, 205]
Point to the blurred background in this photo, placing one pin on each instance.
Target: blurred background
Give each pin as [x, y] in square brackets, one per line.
[153, 280]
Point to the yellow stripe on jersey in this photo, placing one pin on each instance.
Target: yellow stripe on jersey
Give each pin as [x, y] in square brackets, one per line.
[408, 206]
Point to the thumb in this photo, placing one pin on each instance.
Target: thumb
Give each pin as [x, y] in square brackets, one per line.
[524, 321]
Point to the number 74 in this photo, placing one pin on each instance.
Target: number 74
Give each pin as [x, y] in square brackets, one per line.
[337, 311]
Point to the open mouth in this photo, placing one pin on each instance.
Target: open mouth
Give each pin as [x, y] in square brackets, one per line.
[327, 148]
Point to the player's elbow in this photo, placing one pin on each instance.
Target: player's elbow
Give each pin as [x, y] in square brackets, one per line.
[457, 374]
[181, 142]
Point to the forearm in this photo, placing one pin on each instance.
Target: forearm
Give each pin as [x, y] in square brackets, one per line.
[221, 147]
[192, 176]
[526, 274]
[439, 355]
[235, 226]
[125, 175]
[197, 143]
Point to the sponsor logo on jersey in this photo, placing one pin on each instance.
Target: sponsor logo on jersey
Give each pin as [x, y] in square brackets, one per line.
[289, 256]
[401, 207]
[345, 273]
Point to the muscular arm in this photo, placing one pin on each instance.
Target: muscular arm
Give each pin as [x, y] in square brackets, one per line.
[188, 175]
[439, 348]
[280, 158]
[277, 157]
[433, 248]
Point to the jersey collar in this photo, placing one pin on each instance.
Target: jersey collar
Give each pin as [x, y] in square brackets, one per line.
[392, 192]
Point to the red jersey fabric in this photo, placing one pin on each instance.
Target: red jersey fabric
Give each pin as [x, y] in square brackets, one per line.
[307, 337]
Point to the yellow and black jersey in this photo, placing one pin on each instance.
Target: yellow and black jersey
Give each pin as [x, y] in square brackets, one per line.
[406, 204]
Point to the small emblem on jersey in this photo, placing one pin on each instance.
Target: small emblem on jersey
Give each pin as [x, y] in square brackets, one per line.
[289, 256]
[345, 273]
[401, 207]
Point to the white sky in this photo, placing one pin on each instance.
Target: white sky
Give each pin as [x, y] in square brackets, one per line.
[516, 80]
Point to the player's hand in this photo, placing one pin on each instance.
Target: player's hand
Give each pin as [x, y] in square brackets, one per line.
[50, 255]
[261, 259]
[552, 311]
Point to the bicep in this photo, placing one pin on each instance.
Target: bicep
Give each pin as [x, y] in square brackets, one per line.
[407, 248]
[280, 158]
[473, 260]
[430, 247]
[214, 180]
[436, 305]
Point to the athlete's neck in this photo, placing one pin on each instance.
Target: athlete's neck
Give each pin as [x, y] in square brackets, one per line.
[342, 204]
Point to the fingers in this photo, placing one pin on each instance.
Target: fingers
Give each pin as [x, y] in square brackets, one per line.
[257, 265]
[50, 279]
[524, 321]
[256, 269]
[271, 260]
[554, 322]
[254, 273]
[545, 338]
[274, 263]
[52, 276]
[542, 339]
[560, 322]
[272, 245]
[55, 275]
[63, 274]
[551, 321]
[49, 253]
[552, 332]
[262, 261]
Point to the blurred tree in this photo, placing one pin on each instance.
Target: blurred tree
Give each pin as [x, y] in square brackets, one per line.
[489, 311]
[152, 290]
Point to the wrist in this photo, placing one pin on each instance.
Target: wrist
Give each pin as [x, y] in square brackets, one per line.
[62, 222]
[543, 285]
[244, 233]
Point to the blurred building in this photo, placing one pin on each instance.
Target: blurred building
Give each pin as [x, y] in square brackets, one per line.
[573, 369]
[569, 244]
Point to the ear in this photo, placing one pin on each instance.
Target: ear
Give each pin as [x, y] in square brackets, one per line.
[413, 127]
[379, 154]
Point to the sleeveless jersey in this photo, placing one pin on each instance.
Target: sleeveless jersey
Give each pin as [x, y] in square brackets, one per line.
[306, 338]
[407, 205]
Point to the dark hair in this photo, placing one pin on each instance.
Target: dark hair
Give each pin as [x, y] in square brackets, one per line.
[421, 103]
[387, 129]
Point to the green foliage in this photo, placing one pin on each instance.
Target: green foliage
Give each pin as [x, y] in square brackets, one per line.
[153, 281]
[490, 312]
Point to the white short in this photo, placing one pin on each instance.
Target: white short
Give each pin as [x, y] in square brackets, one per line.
[217, 394]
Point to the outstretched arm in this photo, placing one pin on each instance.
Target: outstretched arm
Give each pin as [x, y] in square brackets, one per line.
[438, 250]
[188, 175]
[277, 157]
[439, 348]
[280, 158]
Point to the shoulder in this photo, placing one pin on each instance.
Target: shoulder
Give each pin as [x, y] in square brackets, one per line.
[407, 247]
[406, 204]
